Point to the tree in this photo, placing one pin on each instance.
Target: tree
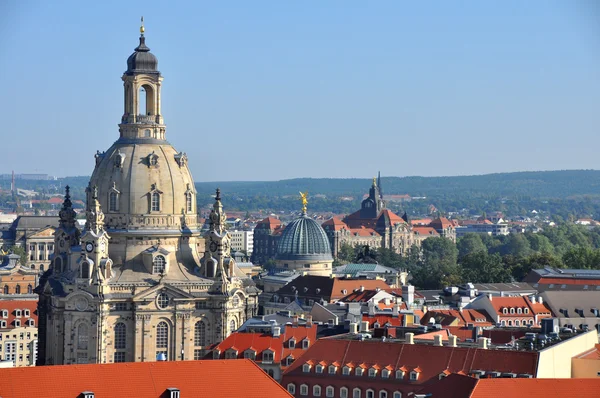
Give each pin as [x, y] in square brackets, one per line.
[346, 253]
[539, 243]
[365, 255]
[438, 267]
[20, 251]
[470, 243]
[480, 267]
[581, 257]
[516, 245]
[521, 268]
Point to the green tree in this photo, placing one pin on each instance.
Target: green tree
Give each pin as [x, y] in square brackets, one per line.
[516, 245]
[480, 267]
[438, 267]
[521, 268]
[20, 251]
[346, 253]
[581, 257]
[539, 243]
[470, 243]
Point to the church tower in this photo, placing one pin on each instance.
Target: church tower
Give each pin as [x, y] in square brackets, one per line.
[140, 282]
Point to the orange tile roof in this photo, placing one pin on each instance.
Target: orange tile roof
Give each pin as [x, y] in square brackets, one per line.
[12, 305]
[260, 342]
[568, 281]
[141, 380]
[425, 231]
[348, 285]
[335, 223]
[362, 231]
[441, 223]
[457, 386]
[422, 221]
[499, 303]
[464, 317]
[272, 221]
[393, 217]
[383, 320]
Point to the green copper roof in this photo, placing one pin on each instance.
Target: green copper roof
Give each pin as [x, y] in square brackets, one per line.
[304, 239]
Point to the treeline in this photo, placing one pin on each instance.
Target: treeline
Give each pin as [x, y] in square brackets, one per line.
[486, 259]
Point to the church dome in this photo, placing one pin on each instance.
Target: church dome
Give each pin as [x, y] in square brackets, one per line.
[142, 60]
[304, 239]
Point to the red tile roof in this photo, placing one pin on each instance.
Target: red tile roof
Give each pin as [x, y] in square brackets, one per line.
[348, 285]
[362, 231]
[393, 217]
[335, 223]
[441, 223]
[271, 221]
[499, 303]
[219, 378]
[568, 281]
[456, 386]
[464, 317]
[425, 231]
[12, 305]
[383, 320]
[260, 342]
[430, 360]
[422, 221]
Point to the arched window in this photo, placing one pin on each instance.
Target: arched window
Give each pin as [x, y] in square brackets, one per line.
[158, 265]
[188, 202]
[271, 372]
[41, 267]
[343, 392]
[512, 310]
[200, 334]
[236, 301]
[383, 394]
[155, 202]
[291, 387]
[519, 310]
[316, 391]
[29, 289]
[32, 266]
[18, 289]
[82, 337]
[5, 289]
[517, 322]
[330, 391]
[232, 326]
[162, 338]
[85, 269]
[120, 336]
[113, 201]
[370, 393]
[356, 393]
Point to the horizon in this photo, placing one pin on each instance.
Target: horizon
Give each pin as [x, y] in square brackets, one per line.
[337, 89]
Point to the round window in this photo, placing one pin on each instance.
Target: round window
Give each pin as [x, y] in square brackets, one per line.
[162, 301]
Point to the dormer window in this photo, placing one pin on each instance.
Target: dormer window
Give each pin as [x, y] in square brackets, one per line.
[359, 371]
[526, 310]
[305, 344]
[173, 392]
[414, 376]
[319, 369]
[519, 310]
[306, 368]
[376, 325]
[385, 374]
[18, 313]
[346, 371]
[231, 354]
[17, 323]
[26, 313]
[155, 198]
[292, 343]
[332, 369]
[31, 322]
[400, 374]
[268, 356]
[512, 310]
[158, 265]
[250, 354]
[4, 314]
[372, 372]
[289, 360]
[505, 310]
[152, 160]
[216, 354]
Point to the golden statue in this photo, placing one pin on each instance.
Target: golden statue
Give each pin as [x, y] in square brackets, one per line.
[142, 30]
[304, 200]
[374, 181]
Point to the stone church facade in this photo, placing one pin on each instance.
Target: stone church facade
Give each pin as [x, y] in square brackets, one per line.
[141, 282]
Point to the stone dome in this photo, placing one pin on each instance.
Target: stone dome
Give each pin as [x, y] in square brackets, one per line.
[304, 239]
[142, 60]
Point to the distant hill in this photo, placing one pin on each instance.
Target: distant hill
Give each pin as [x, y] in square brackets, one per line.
[533, 184]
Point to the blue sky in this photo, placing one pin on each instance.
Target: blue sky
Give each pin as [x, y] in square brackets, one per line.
[267, 90]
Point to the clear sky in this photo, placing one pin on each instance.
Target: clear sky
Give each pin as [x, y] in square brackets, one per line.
[267, 90]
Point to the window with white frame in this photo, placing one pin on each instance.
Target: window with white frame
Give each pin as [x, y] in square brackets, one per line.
[113, 201]
[346, 371]
[291, 387]
[359, 371]
[356, 393]
[292, 343]
[319, 369]
[370, 394]
[512, 310]
[155, 201]
[399, 374]
[31, 322]
[303, 389]
[505, 310]
[383, 394]
[18, 313]
[343, 392]
[526, 310]
[17, 323]
[305, 344]
[162, 338]
[268, 356]
[289, 360]
[397, 394]
[329, 391]
[372, 372]
[332, 369]
[414, 376]
[316, 391]
[26, 313]
[385, 373]
[306, 368]
[519, 310]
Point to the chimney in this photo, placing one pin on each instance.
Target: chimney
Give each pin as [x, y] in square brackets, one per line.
[533, 299]
[362, 288]
[452, 340]
[276, 331]
[395, 309]
[409, 338]
[309, 320]
[490, 297]
[437, 340]
[386, 301]
[371, 308]
[353, 328]
[295, 320]
[364, 326]
[540, 300]
[408, 294]
[483, 342]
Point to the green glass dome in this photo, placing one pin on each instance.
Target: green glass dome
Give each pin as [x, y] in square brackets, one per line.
[304, 240]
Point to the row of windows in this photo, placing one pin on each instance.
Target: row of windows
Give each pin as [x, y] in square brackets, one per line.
[155, 205]
[21, 336]
[17, 323]
[18, 313]
[317, 391]
[518, 310]
[359, 371]
[6, 289]
[517, 322]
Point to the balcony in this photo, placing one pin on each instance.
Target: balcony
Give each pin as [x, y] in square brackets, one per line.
[143, 119]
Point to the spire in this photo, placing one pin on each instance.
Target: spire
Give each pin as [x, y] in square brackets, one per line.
[67, 214]
[217, 215]
[142, 47]
[142, 30]
[93, 214]
[379, 184]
